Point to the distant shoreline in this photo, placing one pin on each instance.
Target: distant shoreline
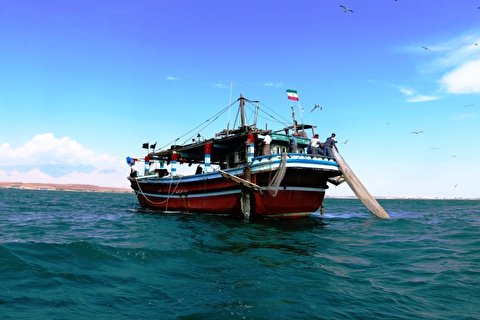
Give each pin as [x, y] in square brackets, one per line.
[62, 187]
[95, 188]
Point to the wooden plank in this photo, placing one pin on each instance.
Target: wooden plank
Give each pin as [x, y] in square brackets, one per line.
[241, 181]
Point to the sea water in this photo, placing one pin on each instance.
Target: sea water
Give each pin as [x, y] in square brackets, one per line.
[73, 255]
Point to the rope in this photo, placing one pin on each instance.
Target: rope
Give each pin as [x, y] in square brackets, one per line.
[215, 117]
[168, 193]
[248, 103]
[278, 177]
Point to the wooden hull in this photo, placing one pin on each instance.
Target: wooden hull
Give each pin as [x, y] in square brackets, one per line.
[300, 193]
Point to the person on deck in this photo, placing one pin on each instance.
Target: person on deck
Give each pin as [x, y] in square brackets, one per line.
[315, 146]
[329, 144]
[266, 144]
[152, 167]
[133, 169]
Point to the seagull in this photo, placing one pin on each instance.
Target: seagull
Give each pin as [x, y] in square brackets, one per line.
[426, 48]
[416, 132]
[317, 106]
[346, 141]
[345, 9]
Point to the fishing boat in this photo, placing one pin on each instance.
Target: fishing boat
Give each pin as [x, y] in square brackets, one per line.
[244, 172]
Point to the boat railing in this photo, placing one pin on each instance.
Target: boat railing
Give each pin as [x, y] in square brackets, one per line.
[298, 155]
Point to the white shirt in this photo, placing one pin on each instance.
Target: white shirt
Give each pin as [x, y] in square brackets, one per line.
[267, 139]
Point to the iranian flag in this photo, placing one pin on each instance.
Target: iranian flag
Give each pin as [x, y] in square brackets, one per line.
[292, 94]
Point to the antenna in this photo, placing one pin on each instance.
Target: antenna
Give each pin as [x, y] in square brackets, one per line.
[300, 111]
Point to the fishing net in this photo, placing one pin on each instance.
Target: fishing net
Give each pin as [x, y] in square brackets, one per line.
[278, 177]
[358, 188]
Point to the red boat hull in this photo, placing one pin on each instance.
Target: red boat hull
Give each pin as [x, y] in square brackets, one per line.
[300, 193]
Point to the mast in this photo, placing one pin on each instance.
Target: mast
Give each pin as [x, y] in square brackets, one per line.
[242, 111]
[294, 121]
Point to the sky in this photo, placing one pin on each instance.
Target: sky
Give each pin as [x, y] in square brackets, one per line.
[84, 83]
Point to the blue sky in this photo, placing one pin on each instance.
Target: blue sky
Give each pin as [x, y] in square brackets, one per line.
[84, 83]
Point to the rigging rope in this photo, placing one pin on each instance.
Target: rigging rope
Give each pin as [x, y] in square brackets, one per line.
[269, 116]
[215, 117]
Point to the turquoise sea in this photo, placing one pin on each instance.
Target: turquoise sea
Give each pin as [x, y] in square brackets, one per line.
[72, 255]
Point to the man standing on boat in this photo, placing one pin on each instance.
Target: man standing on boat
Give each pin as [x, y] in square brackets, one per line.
[133, 169]
[266, 144]
[315, 146]
[329, 144]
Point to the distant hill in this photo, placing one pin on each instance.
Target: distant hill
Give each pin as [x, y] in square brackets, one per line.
[62, 187]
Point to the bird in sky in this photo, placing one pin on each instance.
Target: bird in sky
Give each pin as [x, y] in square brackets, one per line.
[345, 9]
[416, 132]
[456, 185]
[425, 48]
[317, 106]
[345, 142]
[434, 148]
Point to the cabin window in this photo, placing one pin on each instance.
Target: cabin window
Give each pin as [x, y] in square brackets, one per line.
[236, 157]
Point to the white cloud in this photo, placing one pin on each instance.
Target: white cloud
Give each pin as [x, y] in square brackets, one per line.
[413, 96]
[27, 163]
[463, 116]
[273, 84]
[220, 86]
[406, 90]
[421, 98]
[457, 60]
[463, 79]
[171, 78]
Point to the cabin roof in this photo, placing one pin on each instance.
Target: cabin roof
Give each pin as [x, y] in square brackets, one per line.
[222, 147]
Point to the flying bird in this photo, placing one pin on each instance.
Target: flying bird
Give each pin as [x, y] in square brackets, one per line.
[345, 142]
[456, 185]
[416, 132]
[345, 9]
[425, 48]
[434, 148]
[317, 106]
